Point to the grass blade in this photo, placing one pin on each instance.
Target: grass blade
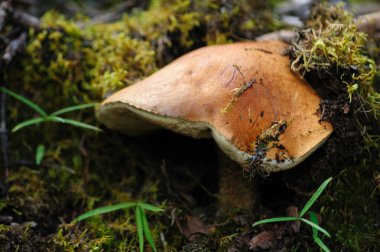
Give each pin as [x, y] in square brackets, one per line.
[315, 197]
[40, 153]
[321, 244]
[140, 228]
[150, 207]
[148, 234]
[317, 240]
[74, 123]
[73, 108]
[106, 209]
[313, 225]
[314, 219]
[28, 123]
[56, 119]
[26, 101]
[277, 219]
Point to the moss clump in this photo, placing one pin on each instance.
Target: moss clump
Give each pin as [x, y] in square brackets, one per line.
[332, 55]
[96, 236]
[83, 63]
[333, 45]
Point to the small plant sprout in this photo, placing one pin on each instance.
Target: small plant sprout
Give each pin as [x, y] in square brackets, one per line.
[140, 216]
[40, 152]
[53, 117]
[313, 222]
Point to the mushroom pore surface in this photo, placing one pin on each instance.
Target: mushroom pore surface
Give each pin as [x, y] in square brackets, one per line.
[242, 94]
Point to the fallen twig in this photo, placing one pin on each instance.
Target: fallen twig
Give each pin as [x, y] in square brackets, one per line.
[13, 47]
[114, 13]
[3, 17]
[86, 165]
[4, 136]
[25, 19]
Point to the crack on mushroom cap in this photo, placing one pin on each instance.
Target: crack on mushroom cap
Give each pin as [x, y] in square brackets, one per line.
[187, 96]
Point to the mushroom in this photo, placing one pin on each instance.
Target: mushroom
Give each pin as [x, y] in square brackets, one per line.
[243, 95]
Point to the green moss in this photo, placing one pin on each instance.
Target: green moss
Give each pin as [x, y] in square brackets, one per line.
[27, 195]
[333, 45]
[84, 62]
[335, 58]
[94, 237]
[165, 17]
[350, 210]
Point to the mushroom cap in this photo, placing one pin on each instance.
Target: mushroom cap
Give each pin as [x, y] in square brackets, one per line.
[243, 95]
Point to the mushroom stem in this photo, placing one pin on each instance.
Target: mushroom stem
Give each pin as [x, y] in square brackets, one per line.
[236, 191]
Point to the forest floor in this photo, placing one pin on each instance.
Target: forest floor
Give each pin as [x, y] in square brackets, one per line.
[71, 53]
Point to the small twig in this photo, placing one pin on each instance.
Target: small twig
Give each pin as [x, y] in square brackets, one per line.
[27, 20]
[369, 22]
[4, 9]
[4, 136]
[32, 164]
[17, 16]
[287, 36]
[166, 176]
[86, 167]
[3, 17]
[14, 46]
[114, 13]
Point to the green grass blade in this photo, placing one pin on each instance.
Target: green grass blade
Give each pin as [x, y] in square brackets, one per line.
[40, 153]
[314, 219]
[56, 119]
[317, 240]
[277, 219]
[140, 228]
[321, 244]
[313, 225]
[26, 101]
[315, 196]
[106, 209]
[73, 108]
[74, 123]
[148, 234]
[28, 123]
[150, 207]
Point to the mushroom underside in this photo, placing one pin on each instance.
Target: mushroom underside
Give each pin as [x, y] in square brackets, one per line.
[133, 121]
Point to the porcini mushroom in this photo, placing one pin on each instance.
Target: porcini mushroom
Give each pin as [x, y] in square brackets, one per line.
[243, 95]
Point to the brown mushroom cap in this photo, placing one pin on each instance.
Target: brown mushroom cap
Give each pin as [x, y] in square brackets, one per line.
[243, 95]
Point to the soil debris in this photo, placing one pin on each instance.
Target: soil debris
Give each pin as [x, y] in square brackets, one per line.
[267, 140]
